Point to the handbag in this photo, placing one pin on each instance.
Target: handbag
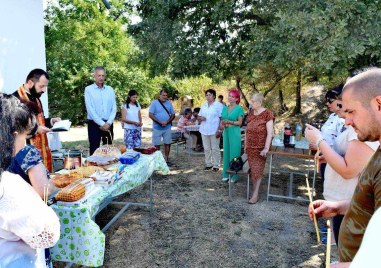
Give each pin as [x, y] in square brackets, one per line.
[236, 164]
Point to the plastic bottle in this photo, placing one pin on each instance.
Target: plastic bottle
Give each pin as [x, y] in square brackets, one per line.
[287, 134]
[298, 131]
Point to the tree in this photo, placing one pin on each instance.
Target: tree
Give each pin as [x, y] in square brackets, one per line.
[81, 35]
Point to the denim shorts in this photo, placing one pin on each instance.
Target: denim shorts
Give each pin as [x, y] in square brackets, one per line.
[157, 134]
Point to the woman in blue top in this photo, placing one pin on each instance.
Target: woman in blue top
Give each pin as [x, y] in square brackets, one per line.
[17, 123]
[232, 116]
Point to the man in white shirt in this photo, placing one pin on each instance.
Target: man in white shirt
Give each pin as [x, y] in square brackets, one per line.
[101, 110]
[209, 118]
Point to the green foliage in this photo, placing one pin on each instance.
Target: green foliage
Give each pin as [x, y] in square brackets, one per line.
[79, 36]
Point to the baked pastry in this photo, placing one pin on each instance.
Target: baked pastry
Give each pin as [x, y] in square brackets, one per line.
[108, 150]
[85, 172]
[62, 180]
[75, 190]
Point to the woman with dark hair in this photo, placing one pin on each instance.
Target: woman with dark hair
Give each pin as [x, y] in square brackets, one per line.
[232, 116]
[27, 224]
[26, 160]
[132, 120]
[209, 118]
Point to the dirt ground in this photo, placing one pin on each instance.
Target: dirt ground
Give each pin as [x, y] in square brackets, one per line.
[194, 224]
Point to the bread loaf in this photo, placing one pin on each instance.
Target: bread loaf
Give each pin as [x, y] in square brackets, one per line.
[63, 180]
[72, 192]
[85, 172]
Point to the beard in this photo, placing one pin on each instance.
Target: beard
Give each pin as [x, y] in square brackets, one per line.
[34, 92]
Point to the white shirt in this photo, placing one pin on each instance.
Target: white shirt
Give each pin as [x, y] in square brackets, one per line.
[100, 104]
[27, 225]
[332, 128]
[335, 186]
[212, 114]
[368, 256]
[132, 115]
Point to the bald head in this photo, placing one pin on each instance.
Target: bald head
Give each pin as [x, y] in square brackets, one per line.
[365, 86]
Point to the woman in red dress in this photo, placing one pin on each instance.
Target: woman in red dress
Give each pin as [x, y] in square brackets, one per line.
[259, 133]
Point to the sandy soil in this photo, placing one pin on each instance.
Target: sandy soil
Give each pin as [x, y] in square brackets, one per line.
[194, 224]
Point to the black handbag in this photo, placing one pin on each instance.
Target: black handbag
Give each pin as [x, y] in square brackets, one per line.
[236, 164]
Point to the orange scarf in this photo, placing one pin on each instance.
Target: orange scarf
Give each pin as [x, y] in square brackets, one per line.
[40, 141]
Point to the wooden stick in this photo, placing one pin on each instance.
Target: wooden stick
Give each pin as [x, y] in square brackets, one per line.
[312, 207]
[328, 253]
[317, 160]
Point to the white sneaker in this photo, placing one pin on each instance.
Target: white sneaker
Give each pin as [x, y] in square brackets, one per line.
[225, 179]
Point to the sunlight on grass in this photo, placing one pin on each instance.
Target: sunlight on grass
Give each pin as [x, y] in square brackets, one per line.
[210, 189]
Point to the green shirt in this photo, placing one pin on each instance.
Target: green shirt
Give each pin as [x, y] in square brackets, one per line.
[365, 201]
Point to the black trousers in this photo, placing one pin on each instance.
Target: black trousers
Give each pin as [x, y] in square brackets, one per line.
[198, 135]
[96, 135]
[336, 222]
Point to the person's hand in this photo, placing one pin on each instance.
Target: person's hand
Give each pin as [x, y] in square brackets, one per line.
[105, 127]
[312, 146]
[264, 152]
[55, 119]
[312, 134]
[323, 208]
[42, 129]
[201, 118]
[140, 124]
[163, 123]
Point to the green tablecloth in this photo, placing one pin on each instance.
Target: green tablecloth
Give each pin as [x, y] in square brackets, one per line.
[81, 239]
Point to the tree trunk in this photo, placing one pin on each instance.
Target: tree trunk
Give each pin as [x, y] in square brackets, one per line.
[238, 85]
[298, 105]
[283, 108]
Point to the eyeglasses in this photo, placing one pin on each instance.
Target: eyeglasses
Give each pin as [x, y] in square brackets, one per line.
[330, 100]
[339, 105]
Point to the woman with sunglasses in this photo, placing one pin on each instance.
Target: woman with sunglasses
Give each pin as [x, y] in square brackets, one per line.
[334, 124]
[345, 160]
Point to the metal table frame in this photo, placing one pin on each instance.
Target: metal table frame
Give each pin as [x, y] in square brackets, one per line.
[125, 206]
[290, 152]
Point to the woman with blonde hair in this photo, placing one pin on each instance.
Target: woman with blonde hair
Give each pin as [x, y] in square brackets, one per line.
[259, 132]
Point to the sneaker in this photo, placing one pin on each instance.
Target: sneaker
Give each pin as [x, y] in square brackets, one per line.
[225, 179]
[208, 168]
[169, 164]
[215, 169]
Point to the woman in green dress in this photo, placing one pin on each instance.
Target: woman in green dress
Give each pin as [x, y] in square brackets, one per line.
[232, 116]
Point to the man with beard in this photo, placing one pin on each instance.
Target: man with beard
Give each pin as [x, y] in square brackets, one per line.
[101, 110]
[362, 105]
[35, 85]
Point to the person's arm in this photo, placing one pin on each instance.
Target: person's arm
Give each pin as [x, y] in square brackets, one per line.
[90, 108]
[356, 156]
[201, 116]
[39, 180]
[341, 265]
[328, 209]
[269, 137]
[140, 119]
[173, 114]
[111, 118]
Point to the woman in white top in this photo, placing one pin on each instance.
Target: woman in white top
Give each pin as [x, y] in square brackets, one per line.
[209, 118]
[345, 161]
[132, 120]
[27, 224]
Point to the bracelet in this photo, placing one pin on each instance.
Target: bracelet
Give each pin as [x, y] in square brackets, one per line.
[319, 141]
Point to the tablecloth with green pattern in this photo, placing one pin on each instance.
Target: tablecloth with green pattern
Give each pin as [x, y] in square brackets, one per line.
[81, 239]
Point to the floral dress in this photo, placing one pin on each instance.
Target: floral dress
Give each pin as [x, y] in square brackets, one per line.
[256, 134]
